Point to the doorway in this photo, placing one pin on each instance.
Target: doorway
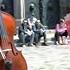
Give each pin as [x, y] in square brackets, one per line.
[53, 13]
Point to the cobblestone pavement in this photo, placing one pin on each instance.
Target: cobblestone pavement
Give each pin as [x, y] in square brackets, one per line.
[47, 57]
[50, 57]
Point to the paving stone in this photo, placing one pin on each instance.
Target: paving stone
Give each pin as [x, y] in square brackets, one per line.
[47, 57]
[52, 57]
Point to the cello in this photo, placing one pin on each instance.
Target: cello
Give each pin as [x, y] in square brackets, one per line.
[10, 58]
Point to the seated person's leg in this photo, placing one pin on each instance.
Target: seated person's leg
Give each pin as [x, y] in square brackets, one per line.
[64, 37]
[56, 37]
[37, 37]
[27, 39]
[22, 37]
[60, 37]
[30, 39]
[65, 33]
[45, 39]
[61, 40]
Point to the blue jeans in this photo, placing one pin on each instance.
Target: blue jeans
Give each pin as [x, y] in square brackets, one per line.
[22, 37]
[38, 35]
[29, 39]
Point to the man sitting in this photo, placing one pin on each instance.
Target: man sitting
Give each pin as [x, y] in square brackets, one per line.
[40, 32]
[26, 35]
[21, 34]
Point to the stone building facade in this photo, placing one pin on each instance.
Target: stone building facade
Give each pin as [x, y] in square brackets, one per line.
[52, 10]
[64, 7]
[15, 8]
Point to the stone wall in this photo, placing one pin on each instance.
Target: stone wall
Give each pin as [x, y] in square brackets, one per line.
[64, 7]
[17, 9]
[49, 18]
[45, 11]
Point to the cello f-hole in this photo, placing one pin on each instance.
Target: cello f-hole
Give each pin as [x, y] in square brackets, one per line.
[14, 51]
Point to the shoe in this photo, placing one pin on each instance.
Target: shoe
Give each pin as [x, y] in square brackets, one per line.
[31, 45]
[44, 44]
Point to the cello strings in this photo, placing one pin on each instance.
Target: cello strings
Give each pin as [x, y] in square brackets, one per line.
[3, 33]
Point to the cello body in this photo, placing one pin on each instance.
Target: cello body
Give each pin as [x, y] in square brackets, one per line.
[18, 61]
